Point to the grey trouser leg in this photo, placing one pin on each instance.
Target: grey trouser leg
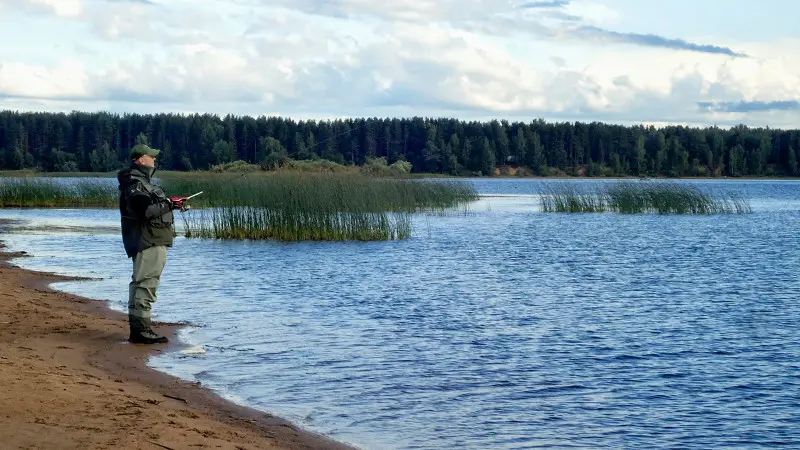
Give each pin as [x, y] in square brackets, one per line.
[147, 267]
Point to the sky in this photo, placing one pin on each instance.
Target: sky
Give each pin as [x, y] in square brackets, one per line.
[713, 62]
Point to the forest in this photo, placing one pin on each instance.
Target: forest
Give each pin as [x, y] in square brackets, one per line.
[100, 142]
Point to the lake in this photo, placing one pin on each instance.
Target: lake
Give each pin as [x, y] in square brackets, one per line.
[501, 328]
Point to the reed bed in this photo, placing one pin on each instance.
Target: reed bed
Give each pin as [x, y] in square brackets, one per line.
[260, 223]
[285, 206]
[23, 192]
[290, 206]
[570, 198]
[321, 191]
[640, 197]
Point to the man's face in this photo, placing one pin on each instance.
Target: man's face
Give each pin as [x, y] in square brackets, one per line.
[147, 161]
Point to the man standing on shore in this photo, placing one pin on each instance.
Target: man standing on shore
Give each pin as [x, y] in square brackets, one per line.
[148, 228]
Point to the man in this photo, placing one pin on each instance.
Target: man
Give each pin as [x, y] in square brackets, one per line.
[148, 228]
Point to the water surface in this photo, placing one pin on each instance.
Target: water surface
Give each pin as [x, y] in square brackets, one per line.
[504, 328]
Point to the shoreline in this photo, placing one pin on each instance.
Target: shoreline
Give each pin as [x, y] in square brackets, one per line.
[73, 381]
[35, 174]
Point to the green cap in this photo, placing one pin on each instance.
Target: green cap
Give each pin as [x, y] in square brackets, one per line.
[141, 149]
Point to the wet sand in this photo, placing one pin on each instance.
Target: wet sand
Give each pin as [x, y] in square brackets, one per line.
[70, 380]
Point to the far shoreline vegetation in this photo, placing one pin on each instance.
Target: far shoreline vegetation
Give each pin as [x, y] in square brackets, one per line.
[88, 143]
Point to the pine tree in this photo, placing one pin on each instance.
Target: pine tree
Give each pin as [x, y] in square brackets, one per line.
[640, 156]
[486, 157]
[535, 156]
[501, 141]
[519, 147]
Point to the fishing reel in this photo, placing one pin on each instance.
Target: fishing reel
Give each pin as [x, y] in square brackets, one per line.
[180, 202]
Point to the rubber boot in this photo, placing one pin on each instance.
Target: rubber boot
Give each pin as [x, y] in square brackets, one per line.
[141, 333]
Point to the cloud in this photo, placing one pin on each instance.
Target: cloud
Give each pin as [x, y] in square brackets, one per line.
[545, 4]
[750, 106]
[558, 20]
[146, 2]
[563, 16]
[649, 40]
[406, 10]
[66, 81]
[471, 59]
[61, 8]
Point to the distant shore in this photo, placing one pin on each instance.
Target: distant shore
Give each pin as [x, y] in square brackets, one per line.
[71, 380]
[30, 173]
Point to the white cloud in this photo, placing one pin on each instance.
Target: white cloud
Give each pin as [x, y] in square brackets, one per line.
[68, 80]
[62, 8]
[593, 13]
[471, 58]
[406, 10]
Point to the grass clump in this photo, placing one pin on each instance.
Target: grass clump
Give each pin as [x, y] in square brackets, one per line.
[570, 198]
[640, 197]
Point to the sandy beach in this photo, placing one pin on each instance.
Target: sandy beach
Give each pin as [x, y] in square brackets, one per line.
[71, 381]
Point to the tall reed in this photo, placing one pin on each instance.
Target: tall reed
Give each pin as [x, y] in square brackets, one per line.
[640, 197]
[568, 197]
[317, 191]
[282, 205]
[49, 193]
[292, 206]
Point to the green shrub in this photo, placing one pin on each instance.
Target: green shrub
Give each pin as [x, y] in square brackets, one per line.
[380, 167]
[236, 166]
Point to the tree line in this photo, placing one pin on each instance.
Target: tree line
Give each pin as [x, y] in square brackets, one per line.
[100, 142]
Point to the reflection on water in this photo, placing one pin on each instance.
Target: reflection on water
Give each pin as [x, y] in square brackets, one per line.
[505, 328]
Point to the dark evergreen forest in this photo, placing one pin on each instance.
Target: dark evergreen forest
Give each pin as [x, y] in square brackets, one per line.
[99, 142]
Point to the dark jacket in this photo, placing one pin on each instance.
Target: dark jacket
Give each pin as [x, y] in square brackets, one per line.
[145, 210]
